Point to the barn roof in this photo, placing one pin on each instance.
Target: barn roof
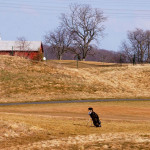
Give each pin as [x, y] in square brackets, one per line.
[20, 45]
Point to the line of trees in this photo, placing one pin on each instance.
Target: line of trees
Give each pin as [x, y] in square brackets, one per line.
[80, 29]
[137, 46]
[77, 32]
[100, 55]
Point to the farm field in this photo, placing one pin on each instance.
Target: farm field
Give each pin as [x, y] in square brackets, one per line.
[125, 125]
[22, 80]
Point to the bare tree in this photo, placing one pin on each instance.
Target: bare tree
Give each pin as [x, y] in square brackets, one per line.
[22, 44]
[147, 35]
[85, 24]
[127, 51]
[59, 41]
[137, 39]
[137, 45]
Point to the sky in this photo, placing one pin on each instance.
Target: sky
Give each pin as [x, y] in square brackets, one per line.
[32, 19]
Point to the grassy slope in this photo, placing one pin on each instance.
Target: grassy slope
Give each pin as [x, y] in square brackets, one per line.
[23, 80]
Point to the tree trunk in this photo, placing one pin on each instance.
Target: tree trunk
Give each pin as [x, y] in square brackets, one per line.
[60, 57]
[148, 57]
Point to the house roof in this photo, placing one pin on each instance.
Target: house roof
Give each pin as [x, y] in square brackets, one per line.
[20, 45]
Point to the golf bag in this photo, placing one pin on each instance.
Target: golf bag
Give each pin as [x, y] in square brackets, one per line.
[95, 119]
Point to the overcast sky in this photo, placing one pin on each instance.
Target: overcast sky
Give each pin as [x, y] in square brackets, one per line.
[33, 18]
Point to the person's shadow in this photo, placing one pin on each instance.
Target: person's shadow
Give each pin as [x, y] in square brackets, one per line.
[76, 124]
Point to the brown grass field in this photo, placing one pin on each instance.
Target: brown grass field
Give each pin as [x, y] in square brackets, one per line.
[23, 80]
[125, 125]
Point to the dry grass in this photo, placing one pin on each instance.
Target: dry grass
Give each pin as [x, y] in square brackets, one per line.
[125, 125]
[24, 80]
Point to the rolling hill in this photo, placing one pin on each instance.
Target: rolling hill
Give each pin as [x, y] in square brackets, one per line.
[23, 80]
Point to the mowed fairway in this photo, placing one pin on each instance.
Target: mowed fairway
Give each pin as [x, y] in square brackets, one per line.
[125, 125]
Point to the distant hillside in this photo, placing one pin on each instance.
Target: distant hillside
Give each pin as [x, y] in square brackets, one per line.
[100, 55]
[25, 80]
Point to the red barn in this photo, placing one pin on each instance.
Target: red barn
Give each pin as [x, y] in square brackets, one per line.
[27, 49]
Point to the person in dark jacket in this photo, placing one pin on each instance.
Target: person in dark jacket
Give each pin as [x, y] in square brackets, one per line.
[94, 117]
